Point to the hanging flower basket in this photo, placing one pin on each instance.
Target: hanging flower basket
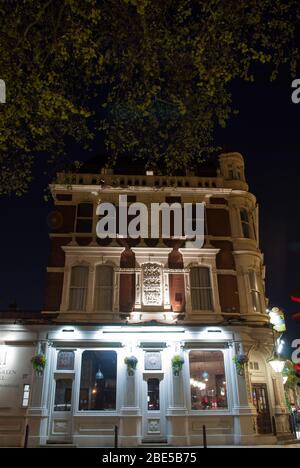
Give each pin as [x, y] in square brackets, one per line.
[131, 363]
[39, 363]
[177, 364]
[241, 360]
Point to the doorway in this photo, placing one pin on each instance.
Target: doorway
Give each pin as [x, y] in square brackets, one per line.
[154, 424]
[261, 403]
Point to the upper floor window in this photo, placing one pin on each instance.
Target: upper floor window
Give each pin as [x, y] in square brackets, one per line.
[255, 292]
[104, 288]
[201, 290]
[78, 288]
[245, 223]
[84, 220]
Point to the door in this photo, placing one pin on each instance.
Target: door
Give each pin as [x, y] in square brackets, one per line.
[61, 418]
[154, 421]
[261, 402]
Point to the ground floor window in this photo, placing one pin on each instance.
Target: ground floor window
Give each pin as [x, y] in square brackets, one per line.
[207, 380]
[63, 395]
[98, 381]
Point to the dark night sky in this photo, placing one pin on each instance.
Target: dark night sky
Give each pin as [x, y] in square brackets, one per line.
[265, 132]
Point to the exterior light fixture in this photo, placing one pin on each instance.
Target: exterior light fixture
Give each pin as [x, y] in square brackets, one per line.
[277, 363]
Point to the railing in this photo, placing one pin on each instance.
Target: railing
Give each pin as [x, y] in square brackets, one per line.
[125, 181]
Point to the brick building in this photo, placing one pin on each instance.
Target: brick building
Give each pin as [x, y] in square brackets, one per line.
[152, 300]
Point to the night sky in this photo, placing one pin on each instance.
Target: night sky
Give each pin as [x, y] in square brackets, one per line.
[266, 133]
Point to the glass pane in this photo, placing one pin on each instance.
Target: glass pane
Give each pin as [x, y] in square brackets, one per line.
[85, 210]
[200, 277]
[98, 381]
[79, 277]
[153, 395]
[208, 381]
[84, 225]
[104, 276]
[103, 299]
[256, 301]
[63, 395]
[65, 360]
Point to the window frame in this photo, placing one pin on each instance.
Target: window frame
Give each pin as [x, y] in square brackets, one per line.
[208, 268]
[71, 288]
[95, 288]
[106, 412]
[255, 291]
[227, 370]
[246, 225]
[84, 218]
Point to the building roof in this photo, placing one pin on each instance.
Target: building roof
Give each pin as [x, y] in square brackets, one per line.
[128, 166]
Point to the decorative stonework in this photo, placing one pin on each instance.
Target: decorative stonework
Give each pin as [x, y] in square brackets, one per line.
[153, 360]
[152, 284]
[153, 426]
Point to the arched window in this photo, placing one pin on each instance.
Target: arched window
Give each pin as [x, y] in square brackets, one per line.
[78, 288]
[104, 288]
[201, 291]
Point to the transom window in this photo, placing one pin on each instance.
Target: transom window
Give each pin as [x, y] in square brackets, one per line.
[207, 380]
[104, 288]
[255, 292]
[201, 290]
[78, 288]
[84, 220]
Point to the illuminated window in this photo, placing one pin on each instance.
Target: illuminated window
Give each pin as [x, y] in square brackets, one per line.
[201, 291]
[255, 292]
[98, 381]
[207, 380]
[104, 288]
[26, 396]
[84, 220]
[78, 288]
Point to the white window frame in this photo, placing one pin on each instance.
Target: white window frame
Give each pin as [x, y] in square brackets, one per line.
[72, 288]
[101, 265]
[201, 288]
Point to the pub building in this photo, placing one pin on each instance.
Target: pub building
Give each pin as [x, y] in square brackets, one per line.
[146, 334]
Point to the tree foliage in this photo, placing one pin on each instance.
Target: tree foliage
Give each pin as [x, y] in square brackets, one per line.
[153, 75]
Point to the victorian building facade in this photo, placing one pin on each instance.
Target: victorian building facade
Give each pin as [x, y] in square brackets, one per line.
[151, 303]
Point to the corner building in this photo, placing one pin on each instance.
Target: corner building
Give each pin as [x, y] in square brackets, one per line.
[152, 299]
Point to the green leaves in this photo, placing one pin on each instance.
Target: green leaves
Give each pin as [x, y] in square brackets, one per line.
[159, 70]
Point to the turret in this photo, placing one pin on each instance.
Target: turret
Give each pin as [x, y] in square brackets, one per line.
[233, 170]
